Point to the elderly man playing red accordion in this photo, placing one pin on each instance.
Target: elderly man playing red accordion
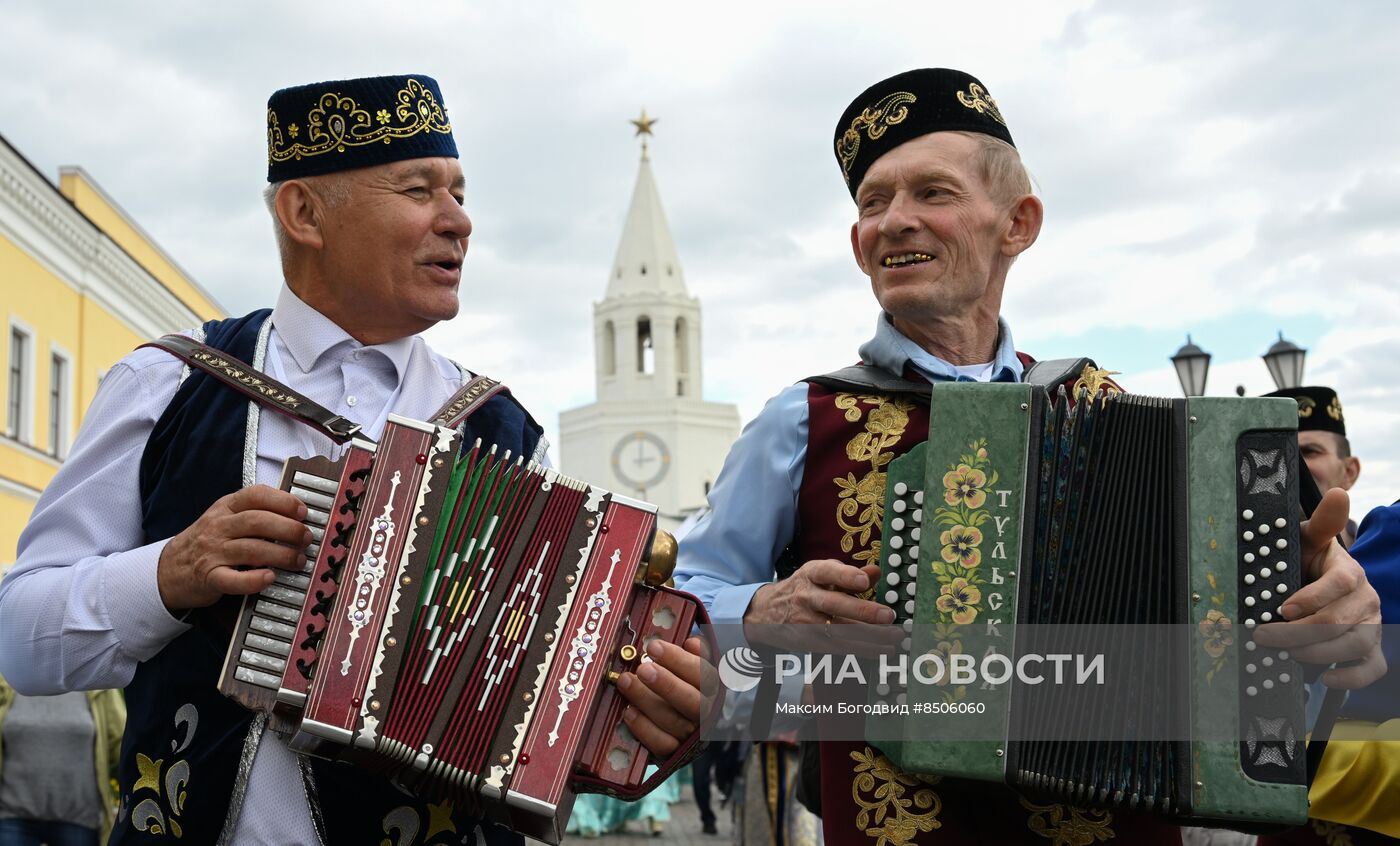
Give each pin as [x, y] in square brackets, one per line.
[165, 513]
[943, 208]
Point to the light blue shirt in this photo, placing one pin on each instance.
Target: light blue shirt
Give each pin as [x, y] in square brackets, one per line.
[731, 551]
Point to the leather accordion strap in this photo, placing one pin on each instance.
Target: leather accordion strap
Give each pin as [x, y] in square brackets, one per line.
[468, 399]
[257, 386]
[267, 391]
[864, 377]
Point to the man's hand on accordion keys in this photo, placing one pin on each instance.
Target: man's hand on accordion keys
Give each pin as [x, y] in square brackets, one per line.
[1336, 616]
[231, 548]
[669, 694]
[824, 592]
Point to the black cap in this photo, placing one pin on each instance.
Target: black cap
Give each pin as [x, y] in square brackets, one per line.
[1319, 410]
[909, 105]
[350, 123]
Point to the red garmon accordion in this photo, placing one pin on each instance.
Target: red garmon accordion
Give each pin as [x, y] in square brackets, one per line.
[458, 624]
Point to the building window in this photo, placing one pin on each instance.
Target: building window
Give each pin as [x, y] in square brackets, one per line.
[16, 407]
[58, 406]
[646, 349]
[609, 349]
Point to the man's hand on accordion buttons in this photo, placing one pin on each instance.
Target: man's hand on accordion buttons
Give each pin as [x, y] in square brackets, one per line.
[258, 527]
[1336, 615]
[786, 614]
[669, 694]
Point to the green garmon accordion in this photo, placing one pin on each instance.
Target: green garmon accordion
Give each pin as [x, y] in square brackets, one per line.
[1031, 522]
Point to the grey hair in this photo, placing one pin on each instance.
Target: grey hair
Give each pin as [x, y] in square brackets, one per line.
[1000, 167]
[333, 189]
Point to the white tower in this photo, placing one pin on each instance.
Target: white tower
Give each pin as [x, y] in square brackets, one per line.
[650, 434]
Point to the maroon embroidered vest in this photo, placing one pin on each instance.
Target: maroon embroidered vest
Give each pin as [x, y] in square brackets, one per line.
[867, 800]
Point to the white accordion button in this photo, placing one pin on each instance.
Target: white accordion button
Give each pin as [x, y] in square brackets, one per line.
[895, 559]
[1281, 543]
[899, 506]
[918, 497]
[896, 542]
[1283, 655]
[891, 596]
[1281, 588]
[1263, 528]
[1249, 578]
[1281, 566]
[1285, 678]
[1249, 558]
[1280, 522]
[1251, 690]
[1249, 601]
[909, 606]
[905, 644]
[897, 524]
[1267, 661]
[1263, 552]
[892, 578]
[1249, 668]
[914, 553]
[1263, 572]
[1249, 536]
[1268, 684]
[913, 571]
[1266, 596]
[1248, 515]
[918, 515]
[916, 532]
[1250, 645]
[911, 588]
[882, 689]
[1266, 616]
[908, 626]
[1249, 622]
[900, 488]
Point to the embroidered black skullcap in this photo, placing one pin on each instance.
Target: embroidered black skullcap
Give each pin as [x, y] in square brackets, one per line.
[1319, 410]
[909, 105]
[349, 123]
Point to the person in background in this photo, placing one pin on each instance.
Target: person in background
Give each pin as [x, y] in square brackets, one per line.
[1322, 440]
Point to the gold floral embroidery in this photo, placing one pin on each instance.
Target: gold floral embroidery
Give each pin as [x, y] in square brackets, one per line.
[1093, 379]
[860, 510]
[886, 812]
[891, 110]
[1335, 834]
[977, 98]
[157, 797]
[247, 379]
[1334, 409]
[1082, 827]
[1305, 407]
[957, 567]
[338, 122]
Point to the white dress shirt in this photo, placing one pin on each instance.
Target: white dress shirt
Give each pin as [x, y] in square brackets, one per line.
[81, 607]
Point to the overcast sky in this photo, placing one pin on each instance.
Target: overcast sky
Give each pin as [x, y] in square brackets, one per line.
[1223, 169]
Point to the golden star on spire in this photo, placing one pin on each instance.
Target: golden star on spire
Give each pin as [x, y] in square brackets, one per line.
[643, 125]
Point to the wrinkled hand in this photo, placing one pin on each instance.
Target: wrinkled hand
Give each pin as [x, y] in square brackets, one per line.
[258, 527]
[1336, 615]
[669, 694]
[821, 593]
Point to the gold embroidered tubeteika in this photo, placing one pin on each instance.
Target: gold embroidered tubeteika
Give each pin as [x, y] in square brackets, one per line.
[977, 98]
[860, 510]
[886, 813]
[1094, 379]
[338, 122]
[1082, 827]
[891, 110]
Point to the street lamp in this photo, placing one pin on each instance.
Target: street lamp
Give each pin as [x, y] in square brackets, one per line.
[1192, 363]
[1285, 363]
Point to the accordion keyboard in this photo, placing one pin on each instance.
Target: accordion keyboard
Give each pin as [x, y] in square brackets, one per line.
[266, 628]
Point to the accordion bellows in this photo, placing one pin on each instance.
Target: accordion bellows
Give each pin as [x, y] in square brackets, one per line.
[458, 624]
[1030, 522]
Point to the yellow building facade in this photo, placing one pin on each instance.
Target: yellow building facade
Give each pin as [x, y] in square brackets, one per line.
[80, 286]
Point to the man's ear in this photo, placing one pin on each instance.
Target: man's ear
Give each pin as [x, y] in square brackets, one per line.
[302, 213]
[1026, 216]
[855, 248]
[1353, 465]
